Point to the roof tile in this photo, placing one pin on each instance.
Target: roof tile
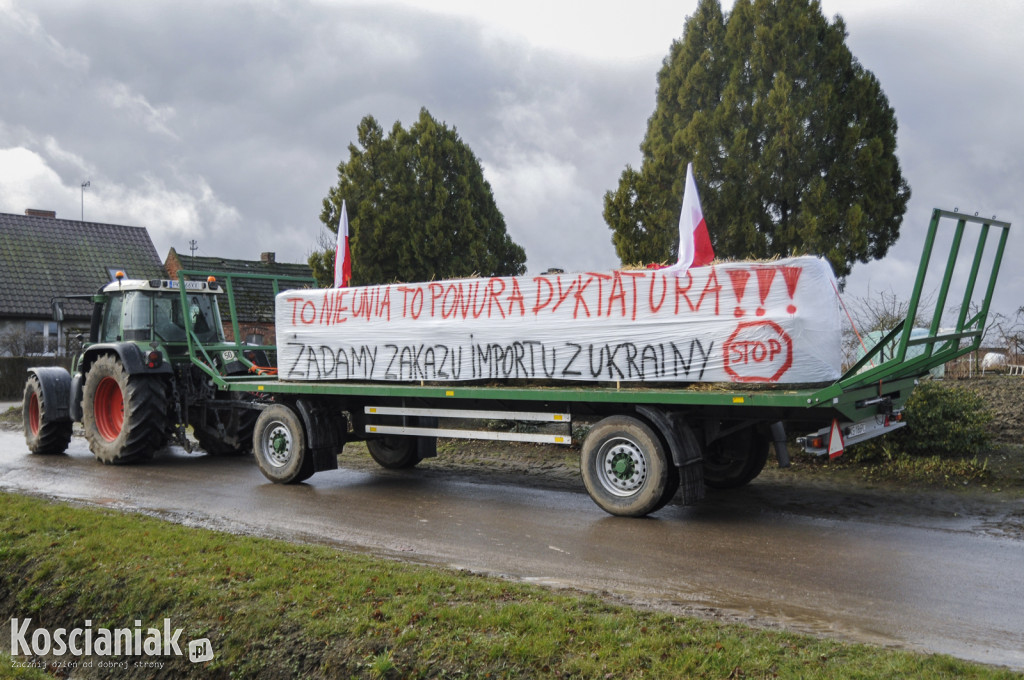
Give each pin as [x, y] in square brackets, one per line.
[42, 258]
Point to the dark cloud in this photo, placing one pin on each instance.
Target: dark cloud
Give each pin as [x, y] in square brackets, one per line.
[260, 102]
[225, 121]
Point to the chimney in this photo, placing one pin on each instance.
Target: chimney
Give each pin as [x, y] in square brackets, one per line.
[32, 212]
[267, 258]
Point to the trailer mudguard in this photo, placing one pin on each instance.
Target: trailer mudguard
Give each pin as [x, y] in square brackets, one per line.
[56, 384]
[426, 447]
[684, 449]
[324, 432]
[682, 444]
[778, 431]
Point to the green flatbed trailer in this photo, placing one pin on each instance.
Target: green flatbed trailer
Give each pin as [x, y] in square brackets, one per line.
[647, 443]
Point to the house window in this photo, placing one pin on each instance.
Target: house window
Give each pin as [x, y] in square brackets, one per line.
[41, 337]
[112, 272]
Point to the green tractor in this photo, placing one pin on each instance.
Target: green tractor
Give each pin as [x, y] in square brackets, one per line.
[133, 386]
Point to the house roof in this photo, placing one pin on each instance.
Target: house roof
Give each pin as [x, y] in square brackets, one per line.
[42, 258]
[221, 264]
[254, 299]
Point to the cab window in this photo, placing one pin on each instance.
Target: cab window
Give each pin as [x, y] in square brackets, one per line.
[112, 320]
[138, 317]
[205, 318]
[169, 322]
[169, 318]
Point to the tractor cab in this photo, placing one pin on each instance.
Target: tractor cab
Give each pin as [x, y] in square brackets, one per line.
[129, 310]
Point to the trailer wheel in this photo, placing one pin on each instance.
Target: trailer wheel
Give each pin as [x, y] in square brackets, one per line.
[396, 452]
[625, 467]
[124, 415]
[279, 443]
[41, 436]
[735, 460]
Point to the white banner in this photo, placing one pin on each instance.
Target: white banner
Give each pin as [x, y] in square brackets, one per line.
[746, 322]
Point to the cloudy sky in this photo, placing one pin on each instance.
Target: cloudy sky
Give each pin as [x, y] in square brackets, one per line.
[224, 121]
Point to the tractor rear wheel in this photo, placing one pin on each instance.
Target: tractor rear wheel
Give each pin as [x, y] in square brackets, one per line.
[41, 436]
[125, 416]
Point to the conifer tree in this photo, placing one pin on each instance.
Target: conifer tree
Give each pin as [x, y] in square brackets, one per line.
[793, 142]
[419, 209]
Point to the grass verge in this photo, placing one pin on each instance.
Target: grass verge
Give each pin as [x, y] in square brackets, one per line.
[275, 609]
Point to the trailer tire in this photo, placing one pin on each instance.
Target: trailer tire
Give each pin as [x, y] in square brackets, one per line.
[279, 445]
[625, 467]
[41, 435]
[124, 415]
[735, 460]
[395, 452]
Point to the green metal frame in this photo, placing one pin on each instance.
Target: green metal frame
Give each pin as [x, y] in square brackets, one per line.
[939, 347]
[898, 374]
[850, 396]
[200, 353]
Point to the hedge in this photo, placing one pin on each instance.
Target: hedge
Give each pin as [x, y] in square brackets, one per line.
[14, 370]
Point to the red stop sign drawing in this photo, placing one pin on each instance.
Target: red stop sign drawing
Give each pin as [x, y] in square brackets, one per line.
[758, 351]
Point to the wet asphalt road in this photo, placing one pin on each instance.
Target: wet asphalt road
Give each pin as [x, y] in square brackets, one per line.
[933, 583]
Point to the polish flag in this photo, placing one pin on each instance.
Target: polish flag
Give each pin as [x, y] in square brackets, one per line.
[342, 256]
[694, 242]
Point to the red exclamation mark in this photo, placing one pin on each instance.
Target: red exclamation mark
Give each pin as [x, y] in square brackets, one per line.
[791, 275]
[739, 278]
[765, 276]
